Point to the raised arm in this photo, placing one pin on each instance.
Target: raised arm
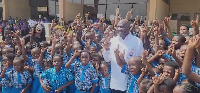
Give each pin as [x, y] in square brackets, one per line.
[23, 49]
[68, 64]
[148, 66]
[186, 67]
[53, 47]
[167, 27]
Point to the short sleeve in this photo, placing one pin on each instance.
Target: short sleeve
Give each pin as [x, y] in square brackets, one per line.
[94, 76]
[69, 75]
[44, 74]
[125, 69]
[75, 66]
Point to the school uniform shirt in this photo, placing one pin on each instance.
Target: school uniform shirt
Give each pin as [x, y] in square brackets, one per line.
[104, 82]
[37, 68]
[19, 80]
[85, 76]
[57, 79]
[5, 82]
[133, 46]
[196, 70]
[132, 84]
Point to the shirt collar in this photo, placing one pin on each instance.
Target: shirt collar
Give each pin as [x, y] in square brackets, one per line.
[126, 38]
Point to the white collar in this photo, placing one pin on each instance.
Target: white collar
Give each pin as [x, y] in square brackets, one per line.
[126, 38]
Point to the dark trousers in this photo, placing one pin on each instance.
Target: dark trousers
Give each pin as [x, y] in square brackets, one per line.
[118, 91]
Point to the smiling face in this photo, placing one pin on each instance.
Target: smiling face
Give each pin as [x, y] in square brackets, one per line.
[184, 30]
[135, 65]
[35, 53]
[123, 28]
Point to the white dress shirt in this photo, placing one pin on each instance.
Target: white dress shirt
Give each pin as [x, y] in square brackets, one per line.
[133, 46]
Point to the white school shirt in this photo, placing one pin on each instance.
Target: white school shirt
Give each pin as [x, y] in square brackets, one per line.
[133, 46]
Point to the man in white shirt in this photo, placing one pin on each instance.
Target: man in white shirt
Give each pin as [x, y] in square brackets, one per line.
[132, 46]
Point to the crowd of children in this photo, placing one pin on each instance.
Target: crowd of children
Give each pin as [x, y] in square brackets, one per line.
[72, 61]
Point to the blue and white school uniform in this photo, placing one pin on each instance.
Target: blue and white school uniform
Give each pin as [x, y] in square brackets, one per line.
[19, 80]
[6, 84]
[73, 87]
[85, 76]
[196, 70]
[37, 71]
[57, 79]
[104, 83]
[132, 85]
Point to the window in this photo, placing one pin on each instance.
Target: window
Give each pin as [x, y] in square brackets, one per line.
[195, 16]
[174, 17]
[185, 17]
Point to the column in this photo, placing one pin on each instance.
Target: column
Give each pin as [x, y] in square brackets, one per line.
[62, 9]
[5, 9]
[158, 9]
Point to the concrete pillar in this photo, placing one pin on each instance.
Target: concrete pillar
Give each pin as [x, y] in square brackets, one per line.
[96, 2]
[5, 9]
[61, 9]
[158, 9]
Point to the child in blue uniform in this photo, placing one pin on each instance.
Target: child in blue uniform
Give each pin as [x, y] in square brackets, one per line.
[104, 78]
[37, 66]
[85, 75]
[133, 70]
[8, 66]
[47, 64]
[59, 77]
[19, 78]
[96, 59]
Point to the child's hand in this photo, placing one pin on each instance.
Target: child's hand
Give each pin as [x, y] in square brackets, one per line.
[173, 51]
[117, 11]
[194, 42]
[193, 23]
[5, 65]
[177, 72]
[129, 13]
[160, 53]
[144, 54]
[43, 50]
[158, 79]
[97, 66]
[77, 53]
[144, 71]
[23, 91]
[46, 88]
[166, 21]
[106, 45]
[22, 41]
[160, 67]
[88, 43]
[58, 90]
